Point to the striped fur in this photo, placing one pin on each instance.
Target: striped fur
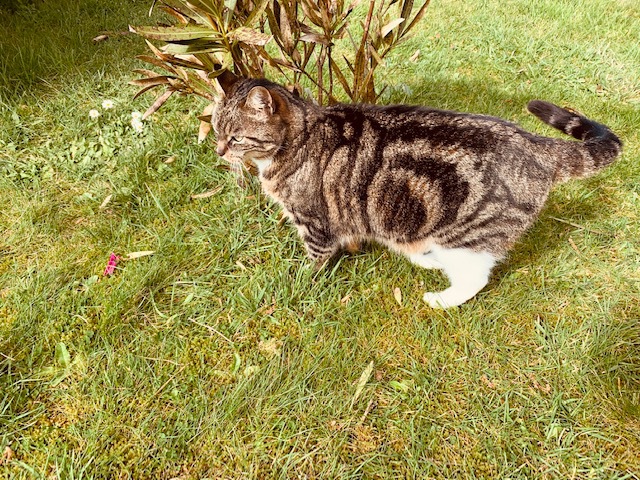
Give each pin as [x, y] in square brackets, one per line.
[421, 181]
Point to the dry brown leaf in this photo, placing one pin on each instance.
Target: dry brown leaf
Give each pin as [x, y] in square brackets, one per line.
[386, 30]
[487, 382]
[367, 411]
[249, 36]
[346, 299]
[152, 81]
[208, 194]
[146, 72]
[203, 131]
[205, 126]
[7, 456]
[157, 104]
[140, 254]
[335, 426]
[574, 246]
[268, 309]
[362, 381]
[397, 294]
[105, 202]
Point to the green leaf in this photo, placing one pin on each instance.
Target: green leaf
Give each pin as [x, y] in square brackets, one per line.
[201, 87]
[177, 33]
[212, 7]
[399, 386]
[236, 363]
[193, 48]
[209, 61]
[62, 356]
[230, 5]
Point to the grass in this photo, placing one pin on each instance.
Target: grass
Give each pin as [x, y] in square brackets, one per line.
[222, 355]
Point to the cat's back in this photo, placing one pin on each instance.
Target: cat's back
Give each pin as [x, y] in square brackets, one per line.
[423, 126]
[403, 171]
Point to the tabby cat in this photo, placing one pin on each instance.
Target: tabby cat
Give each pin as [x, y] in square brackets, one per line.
[451, 191]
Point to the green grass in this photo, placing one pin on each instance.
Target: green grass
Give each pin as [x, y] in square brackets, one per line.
[223, 355]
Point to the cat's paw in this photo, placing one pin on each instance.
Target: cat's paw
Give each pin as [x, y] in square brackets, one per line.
[440, 300]
[319, 264]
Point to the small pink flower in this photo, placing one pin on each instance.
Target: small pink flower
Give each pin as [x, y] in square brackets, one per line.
[111, 265]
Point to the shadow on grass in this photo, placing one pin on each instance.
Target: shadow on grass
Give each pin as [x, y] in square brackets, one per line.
[45, 42]
[561, 216]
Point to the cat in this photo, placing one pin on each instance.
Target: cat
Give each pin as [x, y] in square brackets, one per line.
[450, 191]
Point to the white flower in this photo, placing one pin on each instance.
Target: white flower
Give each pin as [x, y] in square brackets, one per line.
[136, 115]
[93, 113]
[137, 125]
[107, 104]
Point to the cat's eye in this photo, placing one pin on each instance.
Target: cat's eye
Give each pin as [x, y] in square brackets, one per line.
[237, 140]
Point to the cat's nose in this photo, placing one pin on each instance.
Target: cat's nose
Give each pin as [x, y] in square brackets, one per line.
[221, 149]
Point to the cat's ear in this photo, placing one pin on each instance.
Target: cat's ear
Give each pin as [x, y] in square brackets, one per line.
[294, 89]
[260, 100]
[225, 81]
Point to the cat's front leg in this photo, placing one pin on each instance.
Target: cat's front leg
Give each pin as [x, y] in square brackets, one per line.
[319, 249]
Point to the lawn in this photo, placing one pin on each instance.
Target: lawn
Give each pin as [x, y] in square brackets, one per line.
[215, 351]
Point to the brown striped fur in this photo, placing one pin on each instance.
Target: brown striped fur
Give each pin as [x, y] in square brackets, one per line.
[446, 189]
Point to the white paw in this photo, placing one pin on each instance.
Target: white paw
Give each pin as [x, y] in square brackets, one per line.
[444, 299]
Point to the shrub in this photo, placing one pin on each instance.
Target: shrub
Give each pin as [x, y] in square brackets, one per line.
[322, 44]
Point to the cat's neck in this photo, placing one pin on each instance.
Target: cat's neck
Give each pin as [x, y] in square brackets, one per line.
[304, 122]
[263, 165]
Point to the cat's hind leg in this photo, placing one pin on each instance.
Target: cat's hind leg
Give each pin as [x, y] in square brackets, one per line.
[426, 260]
[467, 270]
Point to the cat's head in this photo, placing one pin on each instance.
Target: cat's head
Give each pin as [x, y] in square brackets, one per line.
[250, 119]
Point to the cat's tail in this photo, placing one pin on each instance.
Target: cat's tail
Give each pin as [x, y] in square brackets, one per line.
[598, 148]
